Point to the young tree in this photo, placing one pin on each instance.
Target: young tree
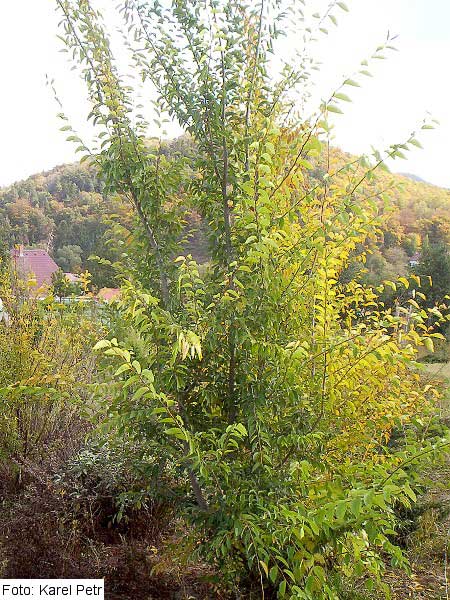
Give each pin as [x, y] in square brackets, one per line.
[271, 384]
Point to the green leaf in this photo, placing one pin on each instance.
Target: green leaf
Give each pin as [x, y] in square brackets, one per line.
[355, 506]
[273, 573]
[136, 366]
[416, 143]
[265, 568]
[410, 493]
[242, 430]
[342, 96]
[341, 509]
[334, 109]
[176, 432]
[370, 584]
[122, 369]
[333, 19]
[351, 82]
[149, 376]
[102, 344]
[140, 392]
[343, 6]
[368, 498]
[429, 344]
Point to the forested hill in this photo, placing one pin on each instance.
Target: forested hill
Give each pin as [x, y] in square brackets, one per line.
[416, 222]
[65, 209]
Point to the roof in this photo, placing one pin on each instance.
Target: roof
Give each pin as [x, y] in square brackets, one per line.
[34, 263]
[108, 294]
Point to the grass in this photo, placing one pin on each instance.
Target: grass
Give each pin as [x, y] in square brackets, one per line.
[438, 370]
[428, 543]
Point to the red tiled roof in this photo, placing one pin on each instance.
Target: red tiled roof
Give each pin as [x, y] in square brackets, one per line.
[37, 263]
[108, 294]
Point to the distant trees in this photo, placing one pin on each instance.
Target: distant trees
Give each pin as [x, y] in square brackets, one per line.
[65, 210]
[69, 203]
[69, 258]
[6, 236]
[29, 223]
[384, 263]
[434, 265]
[411, 243]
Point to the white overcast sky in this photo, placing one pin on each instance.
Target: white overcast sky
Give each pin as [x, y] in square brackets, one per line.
[405, 87]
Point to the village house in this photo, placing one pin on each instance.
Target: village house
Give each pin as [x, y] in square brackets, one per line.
[34, 264]
[108, 295]
[38, 266]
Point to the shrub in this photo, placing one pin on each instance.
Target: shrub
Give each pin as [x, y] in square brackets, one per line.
[267, 386]
[45, 367]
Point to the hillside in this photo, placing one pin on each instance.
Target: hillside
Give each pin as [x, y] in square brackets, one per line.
[66, 210]
[412, 201]
[415, 215]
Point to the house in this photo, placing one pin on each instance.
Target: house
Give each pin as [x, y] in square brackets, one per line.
[414, 260]
[108, 294]
[72, 277]
[34, 264]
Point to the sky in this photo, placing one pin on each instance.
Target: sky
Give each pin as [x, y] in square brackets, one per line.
[410, 84]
